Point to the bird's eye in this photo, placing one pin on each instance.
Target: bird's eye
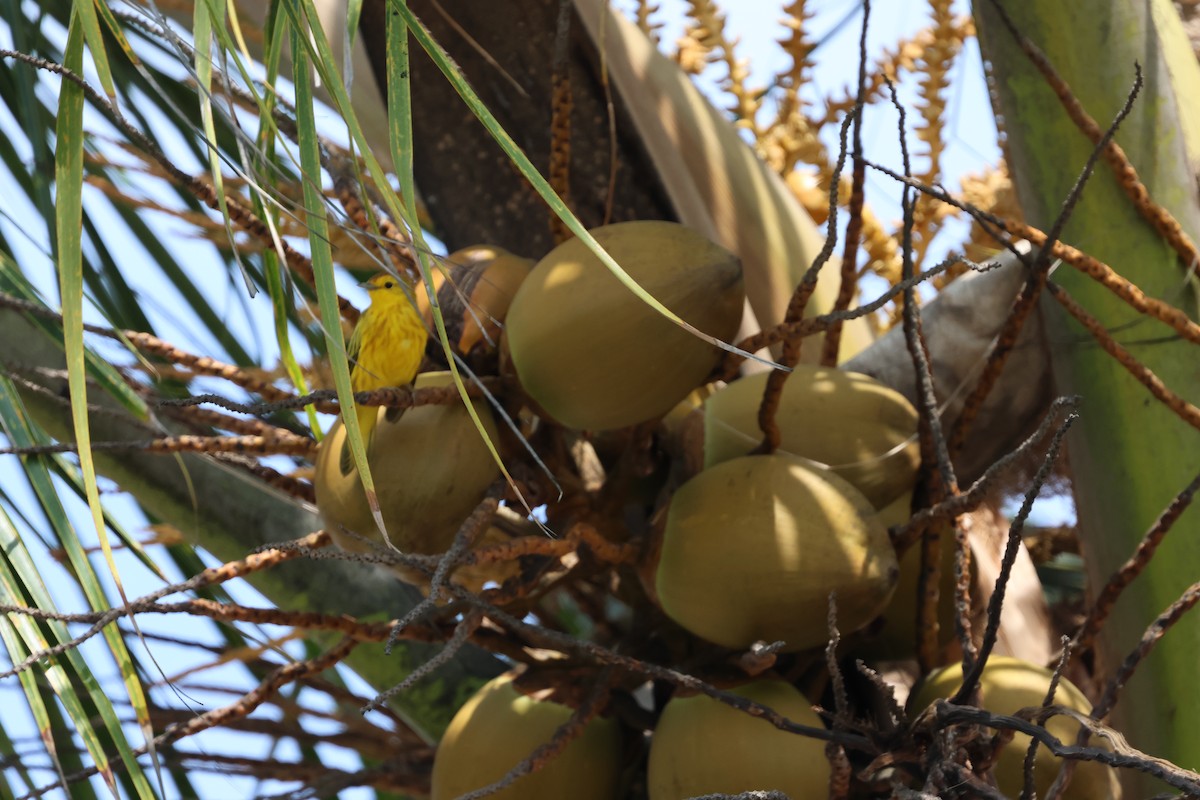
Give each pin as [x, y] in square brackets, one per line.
[388, 285]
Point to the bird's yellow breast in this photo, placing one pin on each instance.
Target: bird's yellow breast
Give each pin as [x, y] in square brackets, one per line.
[391, 345]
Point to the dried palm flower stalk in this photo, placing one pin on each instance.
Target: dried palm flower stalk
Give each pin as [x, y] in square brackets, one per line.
[643, 15]
[704, 42]
[935, 64]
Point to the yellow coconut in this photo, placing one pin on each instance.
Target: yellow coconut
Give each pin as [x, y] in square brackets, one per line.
[754, 546]
[850, 423]
[1007, 685]
[430, 467]
[591, 354]
[475, 287]
[702, 746]
[499, 727]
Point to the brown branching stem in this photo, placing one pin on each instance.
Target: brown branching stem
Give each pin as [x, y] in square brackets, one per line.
[209, 577]
[935, 457]
[255, 445]
[904, 536]
[561, 104]
[1133, 566]
[814, 325]
[566, 733]
[243, 707]
[150, 344]
[1106, 276]
[1150, 638]
[378, 228]
[947, 713]
[594, 653]
[1027, 790]
[1144, 375]
[854, 225]
[798, 303]
[974, 670]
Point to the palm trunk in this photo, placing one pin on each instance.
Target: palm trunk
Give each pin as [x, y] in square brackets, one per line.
[1128, 454]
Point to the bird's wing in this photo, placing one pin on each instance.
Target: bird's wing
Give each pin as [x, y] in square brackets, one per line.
[354, 346]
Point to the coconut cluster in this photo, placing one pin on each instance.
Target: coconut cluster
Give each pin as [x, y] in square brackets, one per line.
[741, 549]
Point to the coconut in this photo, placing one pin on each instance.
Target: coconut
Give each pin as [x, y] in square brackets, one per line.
[753, 547]
[592, 355]
[846, 422]
[702, 746]
[431, 468]
[1006, 686]
[500, 727]
[475, 287]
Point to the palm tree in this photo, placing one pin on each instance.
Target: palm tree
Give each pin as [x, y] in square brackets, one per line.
[212, 183]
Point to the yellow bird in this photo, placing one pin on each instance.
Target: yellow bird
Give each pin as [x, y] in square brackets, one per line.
[385, 350]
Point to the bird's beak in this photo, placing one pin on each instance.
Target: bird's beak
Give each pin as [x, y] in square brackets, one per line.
[370, 287]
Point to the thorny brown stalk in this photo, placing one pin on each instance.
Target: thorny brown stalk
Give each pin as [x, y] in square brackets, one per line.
[1108, 699]
[450, 648]
[813, 325]
[945, 713]
[798, 303]
[973, 671]
[566, 733]
[561, 105]
[258, 445]
[1027, 790]
[200, 418]
[471, 529]
[886, 693]
[833, 336]
[215, 575]
[1144, 375]
[1102, 273]
[935, 458]
[962, 585]
[904, 536]
[1150, 638]
[841, 700]
[231, 612]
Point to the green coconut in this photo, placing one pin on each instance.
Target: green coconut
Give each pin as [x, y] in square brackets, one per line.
[500, 727]
[896, 635]
[753, 547]
[475, 287]
[1006, 686]
[591, 354]
[431, 469]
[849, 423]
[702, 746]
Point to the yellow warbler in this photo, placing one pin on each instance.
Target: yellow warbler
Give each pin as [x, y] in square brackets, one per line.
[386, 348]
